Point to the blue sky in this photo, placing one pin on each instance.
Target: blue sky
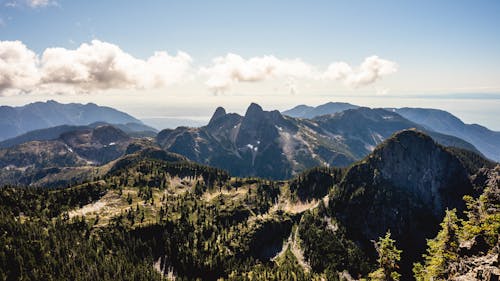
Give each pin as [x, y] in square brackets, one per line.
[319, 31]
[426, 47]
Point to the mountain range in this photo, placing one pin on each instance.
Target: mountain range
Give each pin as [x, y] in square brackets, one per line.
[261, 143]
[15, 121]
[271, 145]
[485, 140]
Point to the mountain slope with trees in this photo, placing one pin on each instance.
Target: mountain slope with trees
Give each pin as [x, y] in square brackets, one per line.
[147, 219]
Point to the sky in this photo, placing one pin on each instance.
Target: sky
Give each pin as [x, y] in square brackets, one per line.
[183, 58]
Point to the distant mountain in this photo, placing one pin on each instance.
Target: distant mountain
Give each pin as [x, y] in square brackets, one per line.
[305, 111]
[161, 123]
[15, 121]
[83, 147]
[440, 121]
[405, 185]
[363, 128]
[487, 141]
[270, 145]
[132, 129]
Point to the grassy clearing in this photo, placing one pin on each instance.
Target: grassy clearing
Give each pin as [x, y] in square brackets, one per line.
[118, 202]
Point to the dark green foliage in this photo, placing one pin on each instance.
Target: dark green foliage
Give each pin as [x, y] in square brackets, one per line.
[388, 260]
[287, 268]
[42, 249]
[328, 250]
[315, 183]
[471, 161]
[50, 203]
[154, 173]
[462, 245]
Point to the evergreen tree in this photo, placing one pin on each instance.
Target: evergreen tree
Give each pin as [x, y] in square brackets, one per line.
[441, 251]
[388, 258]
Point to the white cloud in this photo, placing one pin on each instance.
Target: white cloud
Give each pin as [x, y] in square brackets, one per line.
[90, 67]
[18, 67]
[372, 69]
[100, 66]
[225, 71]
[231, 69]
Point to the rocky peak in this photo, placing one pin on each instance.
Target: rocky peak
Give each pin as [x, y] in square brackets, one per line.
[405, 185]
[254, 111]
[413, 161]
[219, 112]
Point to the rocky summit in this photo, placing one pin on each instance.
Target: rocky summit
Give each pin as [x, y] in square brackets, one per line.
[404, 186]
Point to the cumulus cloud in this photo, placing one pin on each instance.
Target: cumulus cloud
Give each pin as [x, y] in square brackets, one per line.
[232, 68]
[18, 67]
[372, 69]
[100, 66]
[90, 67]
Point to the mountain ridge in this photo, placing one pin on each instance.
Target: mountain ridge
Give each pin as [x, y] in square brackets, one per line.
[440, 121]
[271, 145]
[39, 115]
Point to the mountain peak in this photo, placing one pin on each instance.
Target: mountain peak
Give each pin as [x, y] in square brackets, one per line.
[254, 110]
[219, 112]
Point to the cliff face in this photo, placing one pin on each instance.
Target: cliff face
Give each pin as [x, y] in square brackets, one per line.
[405, 185]
[413, 162]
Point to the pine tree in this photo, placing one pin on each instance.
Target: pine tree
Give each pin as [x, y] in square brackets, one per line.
[388, 258]
[441, 251]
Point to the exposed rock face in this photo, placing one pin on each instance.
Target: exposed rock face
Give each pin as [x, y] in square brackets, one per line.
[405, 185]
[244, 145]
[219, 112]
[413, 162]
[270, 145]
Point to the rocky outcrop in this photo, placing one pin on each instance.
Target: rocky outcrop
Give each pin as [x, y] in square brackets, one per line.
[219, 112]
[405, 185]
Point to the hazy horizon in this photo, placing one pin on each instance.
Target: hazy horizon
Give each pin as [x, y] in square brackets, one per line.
[482, 111]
